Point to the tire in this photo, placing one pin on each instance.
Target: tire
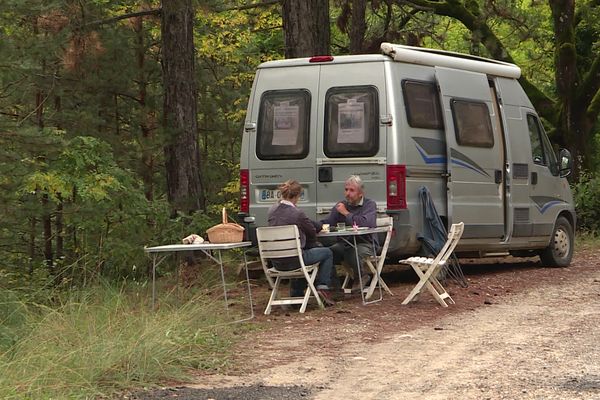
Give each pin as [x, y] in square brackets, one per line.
[560, 250]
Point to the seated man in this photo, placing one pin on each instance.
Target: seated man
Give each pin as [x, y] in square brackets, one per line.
[285, 212]
[355, 209]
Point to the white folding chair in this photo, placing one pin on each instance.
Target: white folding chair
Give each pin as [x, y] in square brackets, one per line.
[428, 268]
[277, 242]
[375, 263]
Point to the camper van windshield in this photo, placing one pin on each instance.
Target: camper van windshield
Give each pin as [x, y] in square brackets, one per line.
[283, 123]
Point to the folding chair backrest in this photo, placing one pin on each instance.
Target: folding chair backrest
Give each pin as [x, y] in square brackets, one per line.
[282, 245]
[456, 231]
[389, 222]
[279, 242]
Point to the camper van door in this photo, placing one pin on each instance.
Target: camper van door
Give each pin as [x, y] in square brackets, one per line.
[284, 108]
[475, 153]
[351, 140]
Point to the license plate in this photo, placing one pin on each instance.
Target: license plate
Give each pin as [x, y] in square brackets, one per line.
[273, 195]
[270, 195]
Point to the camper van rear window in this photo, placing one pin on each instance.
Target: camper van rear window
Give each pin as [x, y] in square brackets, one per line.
[422, 105]
[351, 122]
[472, 123]
[283, 122]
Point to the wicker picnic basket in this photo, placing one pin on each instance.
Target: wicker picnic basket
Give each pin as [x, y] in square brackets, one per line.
[227, 232]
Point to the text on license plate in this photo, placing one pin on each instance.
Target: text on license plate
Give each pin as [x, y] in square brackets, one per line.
[274, 195]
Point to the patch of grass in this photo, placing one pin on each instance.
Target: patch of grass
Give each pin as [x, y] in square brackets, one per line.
[585, 240]
[99, 341]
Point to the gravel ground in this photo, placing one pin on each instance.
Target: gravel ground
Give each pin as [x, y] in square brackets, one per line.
[519, 331]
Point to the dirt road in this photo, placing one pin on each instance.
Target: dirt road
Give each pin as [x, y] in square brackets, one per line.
[520, 332]
[542, 344]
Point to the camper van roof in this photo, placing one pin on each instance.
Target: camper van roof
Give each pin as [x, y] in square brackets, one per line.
[441, 58]
[292, 62]
[413, 55]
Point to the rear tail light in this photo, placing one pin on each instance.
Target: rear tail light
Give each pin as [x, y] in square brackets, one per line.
[396, 187]
[244, 191]
[316, 59]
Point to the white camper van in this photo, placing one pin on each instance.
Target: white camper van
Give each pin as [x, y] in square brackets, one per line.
[459, 125]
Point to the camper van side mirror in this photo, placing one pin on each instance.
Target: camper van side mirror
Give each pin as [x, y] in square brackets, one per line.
[565, 162]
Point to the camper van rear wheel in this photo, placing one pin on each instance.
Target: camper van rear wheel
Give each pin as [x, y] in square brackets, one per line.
[560, 250]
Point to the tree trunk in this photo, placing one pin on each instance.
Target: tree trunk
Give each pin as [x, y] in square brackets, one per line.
[47, 224]
[306, 27]
[147, 167]
[32, 225]
[569, 128]
[59, 228]
[358, 27]
[182, 156]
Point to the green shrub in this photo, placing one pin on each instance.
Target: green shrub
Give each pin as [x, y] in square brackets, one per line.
[586, 194]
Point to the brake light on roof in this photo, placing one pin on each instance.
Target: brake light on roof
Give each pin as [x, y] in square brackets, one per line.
[244, 191]
[317, 59]
[396, 187]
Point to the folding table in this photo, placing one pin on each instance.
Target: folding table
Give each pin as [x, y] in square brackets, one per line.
[160, 253]
[361, 231]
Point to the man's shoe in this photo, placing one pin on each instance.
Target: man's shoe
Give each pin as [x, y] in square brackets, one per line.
[326, 297]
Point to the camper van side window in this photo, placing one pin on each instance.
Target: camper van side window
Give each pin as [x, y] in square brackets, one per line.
[352, 122]
[472, 123]
[541, 148]
[422, 104]
[537, 150]
[283, 123]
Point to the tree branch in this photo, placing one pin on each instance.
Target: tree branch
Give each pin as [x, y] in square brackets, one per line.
[593, 110]
[454, 9]
[250, 6]
[124, 16]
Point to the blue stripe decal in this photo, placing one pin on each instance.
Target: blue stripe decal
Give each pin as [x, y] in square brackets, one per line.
[465, 165]
[432, 159]
[433, 151]
[544, 203]
[546, 206]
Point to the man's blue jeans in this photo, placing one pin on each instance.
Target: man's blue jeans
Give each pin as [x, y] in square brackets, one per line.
[312, 256]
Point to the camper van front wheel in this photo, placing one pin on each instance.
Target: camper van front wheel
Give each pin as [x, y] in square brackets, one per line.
[560, 250]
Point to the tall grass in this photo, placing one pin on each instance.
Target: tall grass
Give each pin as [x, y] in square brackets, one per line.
[96, 342]
[586, 240]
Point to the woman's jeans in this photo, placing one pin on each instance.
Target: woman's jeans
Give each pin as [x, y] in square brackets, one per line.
[312, 256]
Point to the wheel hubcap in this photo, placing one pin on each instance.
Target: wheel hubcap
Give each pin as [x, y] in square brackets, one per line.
[561, 243]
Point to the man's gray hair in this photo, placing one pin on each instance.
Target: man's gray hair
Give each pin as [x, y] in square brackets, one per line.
[355, 180]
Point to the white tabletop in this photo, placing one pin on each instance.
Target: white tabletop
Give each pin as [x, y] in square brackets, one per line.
[202, 246]
[351, 232]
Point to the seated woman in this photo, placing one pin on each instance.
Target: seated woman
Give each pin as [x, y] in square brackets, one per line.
[285, 212]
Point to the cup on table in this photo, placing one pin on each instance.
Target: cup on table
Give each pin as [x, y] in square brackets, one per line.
[341, 226]
[325, 228]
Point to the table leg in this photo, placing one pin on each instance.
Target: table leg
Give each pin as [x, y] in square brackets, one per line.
[154, 279]
[358, 270]
[223, 280]
[376, 281]
[155, 264]
[249, 289]
[362, 291]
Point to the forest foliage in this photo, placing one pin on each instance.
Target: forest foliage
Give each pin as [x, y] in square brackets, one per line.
[82, 142]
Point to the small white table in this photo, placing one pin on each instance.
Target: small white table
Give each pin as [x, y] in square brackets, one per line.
[160, 253]
[361, 231]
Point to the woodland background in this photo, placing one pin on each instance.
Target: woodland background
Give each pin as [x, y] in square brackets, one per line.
[120, 121]
[120, 126]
